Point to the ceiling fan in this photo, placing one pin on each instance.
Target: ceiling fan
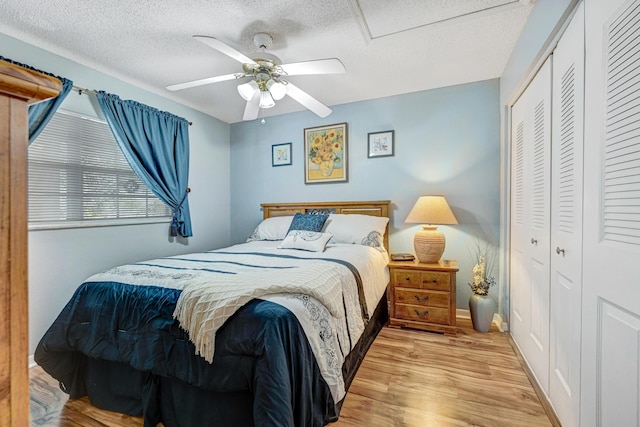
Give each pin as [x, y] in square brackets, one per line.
[267, 74]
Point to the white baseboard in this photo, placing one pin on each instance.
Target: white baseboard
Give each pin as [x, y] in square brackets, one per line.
[464, 313]
[497, 319]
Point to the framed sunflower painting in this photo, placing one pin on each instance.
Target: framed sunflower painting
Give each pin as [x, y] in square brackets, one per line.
[325, 149]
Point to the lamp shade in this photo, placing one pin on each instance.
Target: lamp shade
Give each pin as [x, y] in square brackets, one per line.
[431, 210]
[248, 90]
[266, 100]
[429, 243]
[278, 90]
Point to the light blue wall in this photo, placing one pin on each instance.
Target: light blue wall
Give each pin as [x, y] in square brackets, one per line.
[59, 260]
[446, 142]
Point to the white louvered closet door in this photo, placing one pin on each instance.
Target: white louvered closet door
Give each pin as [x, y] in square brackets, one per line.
[566, 222]
[610, 381]
[530, 223]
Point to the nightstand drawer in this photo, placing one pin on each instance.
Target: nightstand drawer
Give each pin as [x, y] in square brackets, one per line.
[436, 280]
[422, 297]
[423, 314]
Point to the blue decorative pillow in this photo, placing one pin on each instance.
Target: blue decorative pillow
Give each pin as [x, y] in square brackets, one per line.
[308, 222]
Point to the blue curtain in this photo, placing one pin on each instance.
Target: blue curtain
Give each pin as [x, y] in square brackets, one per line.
[41, 113]
[156, 145]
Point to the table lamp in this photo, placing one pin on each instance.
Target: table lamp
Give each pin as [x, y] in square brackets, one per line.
[429, 242]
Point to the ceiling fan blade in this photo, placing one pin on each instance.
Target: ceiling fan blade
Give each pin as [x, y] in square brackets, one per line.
[307, 100]
[252, 108]
[319, 66]
[224, 48]
[202, 82]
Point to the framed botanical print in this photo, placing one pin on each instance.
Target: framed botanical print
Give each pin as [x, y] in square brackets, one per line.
[381, 144]
[325, 150]
[281, 154]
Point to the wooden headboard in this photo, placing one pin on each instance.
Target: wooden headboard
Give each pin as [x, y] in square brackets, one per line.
[373, 208]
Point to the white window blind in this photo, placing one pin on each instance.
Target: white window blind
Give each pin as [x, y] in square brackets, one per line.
[77, 173]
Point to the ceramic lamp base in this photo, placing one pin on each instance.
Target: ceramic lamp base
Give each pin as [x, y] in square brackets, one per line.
[428, 244]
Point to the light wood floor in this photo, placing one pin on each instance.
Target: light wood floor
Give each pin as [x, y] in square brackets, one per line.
[408, 379]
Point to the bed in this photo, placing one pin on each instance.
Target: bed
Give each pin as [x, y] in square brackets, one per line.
[270, 332]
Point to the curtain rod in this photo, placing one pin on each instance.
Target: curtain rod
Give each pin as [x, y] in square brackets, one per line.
[82, 90]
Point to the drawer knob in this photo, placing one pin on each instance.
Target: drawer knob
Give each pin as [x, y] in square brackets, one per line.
[423, 299]
[408, 279]
[423, 314]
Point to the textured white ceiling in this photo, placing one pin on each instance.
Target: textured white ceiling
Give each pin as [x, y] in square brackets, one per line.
[388, 47]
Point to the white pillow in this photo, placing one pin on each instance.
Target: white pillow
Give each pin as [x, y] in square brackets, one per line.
[306, 240]
[357, 229]
[274, 228]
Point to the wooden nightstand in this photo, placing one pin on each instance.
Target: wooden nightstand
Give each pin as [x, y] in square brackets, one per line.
[423, 296]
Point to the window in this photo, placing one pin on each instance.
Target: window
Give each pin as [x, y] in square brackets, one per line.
[78, 176]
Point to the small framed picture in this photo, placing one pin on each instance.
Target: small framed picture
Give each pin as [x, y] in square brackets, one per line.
[381, 144]
[281, 154]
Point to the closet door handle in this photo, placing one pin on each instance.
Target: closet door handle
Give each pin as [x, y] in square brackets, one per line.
[534, 241]
[559, 251]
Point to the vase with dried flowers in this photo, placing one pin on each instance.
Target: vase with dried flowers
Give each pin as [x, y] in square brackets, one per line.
[481, 305]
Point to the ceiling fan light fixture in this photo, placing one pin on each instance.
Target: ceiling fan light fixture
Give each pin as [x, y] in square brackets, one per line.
[277, 89]
[248, 90]
[266, 73]
[266, 100]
